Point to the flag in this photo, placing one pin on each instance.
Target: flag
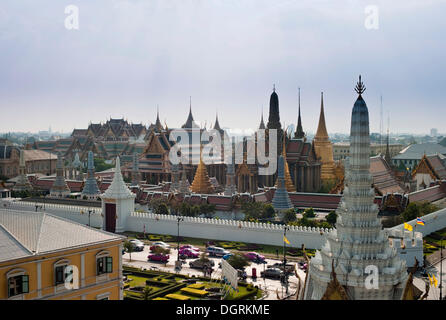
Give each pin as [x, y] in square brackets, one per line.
[408, 226]
[430, 279]
[286, 240]
[420, 221]
[435, 281]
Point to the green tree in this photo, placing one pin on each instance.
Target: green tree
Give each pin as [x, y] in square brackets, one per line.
[128, 246]
[268, 211]
[238, 261]
[309, 213]
[162, 209]
[331, 218]
[289, 216]
[185, 209]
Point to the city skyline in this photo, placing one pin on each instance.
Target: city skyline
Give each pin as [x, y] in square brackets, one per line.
[227, 56]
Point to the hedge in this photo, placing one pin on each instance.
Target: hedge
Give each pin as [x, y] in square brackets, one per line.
[174, 296]
[195, 292]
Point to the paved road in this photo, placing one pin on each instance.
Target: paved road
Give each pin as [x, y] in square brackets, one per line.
[139, 259]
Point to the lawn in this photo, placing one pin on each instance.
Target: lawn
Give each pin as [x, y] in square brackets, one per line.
[167, 285]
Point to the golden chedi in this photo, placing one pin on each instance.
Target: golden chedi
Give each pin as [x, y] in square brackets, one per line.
[324, 148]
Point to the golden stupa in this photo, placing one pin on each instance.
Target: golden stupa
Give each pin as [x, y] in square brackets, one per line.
[324, 148]
[202, 184]
[288, 180]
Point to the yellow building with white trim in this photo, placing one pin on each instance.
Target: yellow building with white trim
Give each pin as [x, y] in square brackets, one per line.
[47, 257]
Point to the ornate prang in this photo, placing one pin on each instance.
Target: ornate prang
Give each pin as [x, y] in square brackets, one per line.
[360, 87]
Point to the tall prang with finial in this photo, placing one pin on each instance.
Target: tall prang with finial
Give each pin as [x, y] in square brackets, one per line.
[358, 245]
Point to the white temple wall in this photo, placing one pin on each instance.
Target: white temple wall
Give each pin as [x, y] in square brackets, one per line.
[433, 221]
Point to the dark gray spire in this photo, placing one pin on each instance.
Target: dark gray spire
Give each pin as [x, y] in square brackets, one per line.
[299, 134]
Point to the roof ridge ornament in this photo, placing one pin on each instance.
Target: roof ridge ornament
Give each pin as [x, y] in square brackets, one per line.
[360, 87]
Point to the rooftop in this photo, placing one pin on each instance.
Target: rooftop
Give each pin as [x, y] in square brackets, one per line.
[27, 233]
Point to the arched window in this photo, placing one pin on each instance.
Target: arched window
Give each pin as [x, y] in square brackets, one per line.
[104, 263]
[61, 272]
[18, 282]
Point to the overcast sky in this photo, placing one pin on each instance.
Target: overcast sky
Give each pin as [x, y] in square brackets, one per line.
[130, 56]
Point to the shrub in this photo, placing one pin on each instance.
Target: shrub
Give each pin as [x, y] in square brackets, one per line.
[174, 296]
[195, 292]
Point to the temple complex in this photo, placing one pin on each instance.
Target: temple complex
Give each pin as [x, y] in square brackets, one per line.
[340, 270]
[324, 148]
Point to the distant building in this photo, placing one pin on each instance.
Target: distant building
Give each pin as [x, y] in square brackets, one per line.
[430, 169]
[434, 132]
[341, 150]
[411, 156]
[38, 250]
[36, 161]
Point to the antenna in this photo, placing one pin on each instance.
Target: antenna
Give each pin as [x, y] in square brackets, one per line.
[381, 125]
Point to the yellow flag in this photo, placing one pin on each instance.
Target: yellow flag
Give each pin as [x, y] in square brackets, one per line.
[430, 279]
[435, 281]
[286, 240]
[408, 226]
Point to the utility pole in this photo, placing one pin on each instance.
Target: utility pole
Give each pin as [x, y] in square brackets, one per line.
[285, 229]
[178, 266]
[441, 268]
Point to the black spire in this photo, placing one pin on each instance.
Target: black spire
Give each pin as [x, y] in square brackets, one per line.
[299, 134]
[360, 88]
[274, 117]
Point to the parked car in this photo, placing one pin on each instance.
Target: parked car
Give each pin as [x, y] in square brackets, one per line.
[216, 251]
[274, 273]
[158, 257]
[189, 253]
[188, 246]
[138, 245]
[289, 268]
[199, 264]
[159, 244]
[227, 256]
[255, 257]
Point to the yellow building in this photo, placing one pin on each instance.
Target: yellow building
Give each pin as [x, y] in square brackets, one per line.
[46, 257]
[324, 148]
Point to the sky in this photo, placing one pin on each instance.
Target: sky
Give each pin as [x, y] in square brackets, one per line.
[128, 57]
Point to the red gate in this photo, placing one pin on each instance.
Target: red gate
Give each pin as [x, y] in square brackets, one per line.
[110, 217]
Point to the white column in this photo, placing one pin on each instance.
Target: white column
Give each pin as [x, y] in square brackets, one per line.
[82, 270]
[39, 279]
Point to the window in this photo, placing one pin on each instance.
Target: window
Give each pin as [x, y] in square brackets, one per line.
[18, 285]
[61, 272]
[104, 265]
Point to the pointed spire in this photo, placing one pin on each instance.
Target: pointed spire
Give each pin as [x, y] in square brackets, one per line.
[262, 123]
[217, 125]
[321, 129]
[202, 184]
[190, 123]
[360, 87]
[299, 134]
[158, 125]
[118, 189]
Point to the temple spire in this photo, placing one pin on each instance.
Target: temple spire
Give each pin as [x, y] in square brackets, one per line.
[321, 128]
[202, 184]
[217, 124]
[299, 134]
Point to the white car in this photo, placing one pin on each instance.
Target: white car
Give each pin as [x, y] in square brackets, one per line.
[137, 245]
[161, 244]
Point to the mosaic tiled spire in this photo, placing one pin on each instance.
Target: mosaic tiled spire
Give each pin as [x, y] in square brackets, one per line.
[281, 200]
[288, 180]
[135, 170]
[60, 187]
[90, 189]
[358, 242]
[22, 183]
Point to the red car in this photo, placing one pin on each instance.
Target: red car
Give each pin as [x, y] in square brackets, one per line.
[254, 256]
[158, 257]
[188, 246]
[189, 253]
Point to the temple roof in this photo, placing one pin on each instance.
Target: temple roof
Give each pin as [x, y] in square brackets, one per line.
[190, 123]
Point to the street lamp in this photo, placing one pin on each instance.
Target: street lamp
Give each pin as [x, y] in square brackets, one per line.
[178, 240]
